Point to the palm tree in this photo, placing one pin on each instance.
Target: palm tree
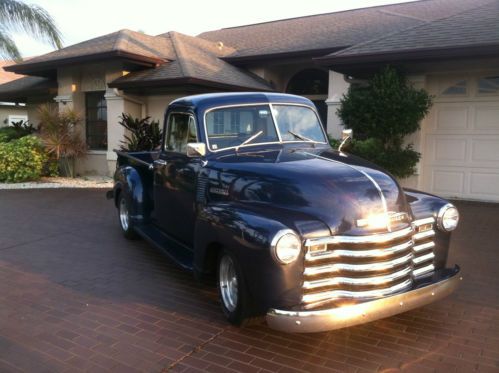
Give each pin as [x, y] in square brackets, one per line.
[15, 16]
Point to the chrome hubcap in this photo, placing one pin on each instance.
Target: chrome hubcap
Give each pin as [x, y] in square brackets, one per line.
[123, 215]
[228, 283]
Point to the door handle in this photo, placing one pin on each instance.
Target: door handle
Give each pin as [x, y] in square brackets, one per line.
[160, 162]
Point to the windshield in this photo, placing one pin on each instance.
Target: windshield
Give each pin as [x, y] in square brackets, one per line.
[239, 126]
[298, 123]
[230, 127]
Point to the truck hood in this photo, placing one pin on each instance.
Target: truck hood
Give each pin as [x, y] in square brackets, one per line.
[340, 190]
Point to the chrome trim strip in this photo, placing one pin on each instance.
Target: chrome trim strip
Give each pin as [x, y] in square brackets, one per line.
[381, 195]
[423, 258]
[424, 246]
[423, 270]
[342, 317]
[377, 238]
[376, 280]
[423, 235]
[378, 266]
[367, 294]
[423, 221]
[373, 253]
[376, 185]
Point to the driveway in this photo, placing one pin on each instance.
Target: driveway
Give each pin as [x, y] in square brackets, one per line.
[75, 295]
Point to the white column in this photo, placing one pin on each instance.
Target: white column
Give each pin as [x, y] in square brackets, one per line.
[117, 104]
[336, 88]
[417, 139]
[115, 132]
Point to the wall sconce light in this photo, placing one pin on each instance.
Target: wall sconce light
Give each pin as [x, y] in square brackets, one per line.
[124, 72]
[73, 88]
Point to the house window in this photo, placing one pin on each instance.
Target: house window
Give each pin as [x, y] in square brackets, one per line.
[488, 85]
[313, 84]
[459, 88]
[219, 126]
[235, 122]
[96, 120]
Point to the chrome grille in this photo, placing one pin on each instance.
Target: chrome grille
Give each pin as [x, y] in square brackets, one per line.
[424, 256]
[343, 269]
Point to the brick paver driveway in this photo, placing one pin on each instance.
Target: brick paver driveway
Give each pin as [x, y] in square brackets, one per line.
[75, 295]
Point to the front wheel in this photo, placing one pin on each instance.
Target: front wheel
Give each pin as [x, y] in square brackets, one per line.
[124, 218]
[232, 289]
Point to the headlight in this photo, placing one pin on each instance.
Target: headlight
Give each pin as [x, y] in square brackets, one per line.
[447, 218]
[286, 246]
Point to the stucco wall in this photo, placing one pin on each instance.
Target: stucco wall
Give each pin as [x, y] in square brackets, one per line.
[156, 106]
[337, 87]
[5, 111]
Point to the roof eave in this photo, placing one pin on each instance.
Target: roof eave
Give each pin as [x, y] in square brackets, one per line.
[181, 81]
[354, 62]
[42, 68]
[249, 59]
[24, 95]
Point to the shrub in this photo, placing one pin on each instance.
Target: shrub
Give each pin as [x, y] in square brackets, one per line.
[16, 131]
[381, 114]
[22, 159]
[145, 135]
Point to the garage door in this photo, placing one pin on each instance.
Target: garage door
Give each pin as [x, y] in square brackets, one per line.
[461, 138]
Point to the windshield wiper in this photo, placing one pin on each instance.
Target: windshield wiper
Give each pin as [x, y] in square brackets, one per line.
[248, 140]
[301, 137]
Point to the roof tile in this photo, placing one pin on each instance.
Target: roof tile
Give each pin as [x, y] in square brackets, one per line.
[459, 30]
[334, 30]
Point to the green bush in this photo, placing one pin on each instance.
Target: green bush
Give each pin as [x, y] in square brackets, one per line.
[8, 133]
[381, 114]
[401, 162]
[22, 159]
[145, 135]
[16, 131]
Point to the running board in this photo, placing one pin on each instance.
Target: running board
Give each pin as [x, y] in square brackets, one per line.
[176, 251]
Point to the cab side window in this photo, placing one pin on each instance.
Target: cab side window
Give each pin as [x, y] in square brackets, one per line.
[181, 130]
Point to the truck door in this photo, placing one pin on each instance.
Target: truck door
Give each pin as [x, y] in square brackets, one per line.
[175, 178]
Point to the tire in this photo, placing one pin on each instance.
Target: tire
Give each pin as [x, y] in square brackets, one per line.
[126, 224]
[232, 290]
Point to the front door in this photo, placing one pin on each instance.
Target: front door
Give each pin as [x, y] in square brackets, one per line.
[175, 178]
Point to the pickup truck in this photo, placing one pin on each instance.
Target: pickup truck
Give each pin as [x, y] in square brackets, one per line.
[246, 189]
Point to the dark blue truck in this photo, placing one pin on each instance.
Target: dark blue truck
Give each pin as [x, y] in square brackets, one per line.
[245, 187]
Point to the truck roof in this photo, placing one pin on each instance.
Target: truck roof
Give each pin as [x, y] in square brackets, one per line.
[205, 101]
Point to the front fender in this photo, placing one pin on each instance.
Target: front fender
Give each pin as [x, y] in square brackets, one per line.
[248, 233]
[128, 181]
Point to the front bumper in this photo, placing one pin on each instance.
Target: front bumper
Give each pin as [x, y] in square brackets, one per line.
[342, 317]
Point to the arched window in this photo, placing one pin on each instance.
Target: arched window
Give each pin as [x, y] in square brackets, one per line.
[313, 84]
[309, 82]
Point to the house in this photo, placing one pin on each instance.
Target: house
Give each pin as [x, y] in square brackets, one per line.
[449, 47]
[10, 112]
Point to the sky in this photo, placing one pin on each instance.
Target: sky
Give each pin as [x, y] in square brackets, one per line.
[81, 20]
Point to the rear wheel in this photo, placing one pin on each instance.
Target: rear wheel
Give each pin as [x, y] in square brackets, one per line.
[232, 290]
[124, 218]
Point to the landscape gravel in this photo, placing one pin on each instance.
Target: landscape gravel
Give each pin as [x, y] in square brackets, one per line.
[63, 182]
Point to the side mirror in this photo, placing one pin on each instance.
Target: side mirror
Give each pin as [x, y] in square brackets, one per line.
[346, 135]
[196, 149]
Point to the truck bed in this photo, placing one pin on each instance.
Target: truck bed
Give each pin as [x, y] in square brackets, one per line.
[136, 159]
[142, 162]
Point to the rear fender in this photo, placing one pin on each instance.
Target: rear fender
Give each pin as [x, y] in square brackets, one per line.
[129, 182]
